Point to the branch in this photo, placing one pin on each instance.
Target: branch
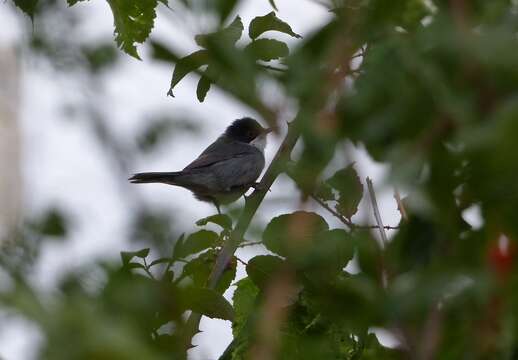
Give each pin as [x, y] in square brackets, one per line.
[236, 236]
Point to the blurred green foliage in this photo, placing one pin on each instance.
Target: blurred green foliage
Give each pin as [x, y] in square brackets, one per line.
[428, 88]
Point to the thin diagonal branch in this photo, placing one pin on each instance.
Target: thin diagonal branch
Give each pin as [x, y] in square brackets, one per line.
[251, 205]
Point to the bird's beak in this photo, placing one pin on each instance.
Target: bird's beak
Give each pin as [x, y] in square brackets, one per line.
[267, 130]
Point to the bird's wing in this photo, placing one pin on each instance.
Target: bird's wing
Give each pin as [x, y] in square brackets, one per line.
[220, 152]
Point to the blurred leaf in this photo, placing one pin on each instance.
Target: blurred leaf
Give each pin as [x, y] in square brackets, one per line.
[293, 234]
[196, 242]
[100, 57]
[134, 20]
[203, 88]
[244, 300]
[225, 7]
[208, 302]
[199, 269]
[269, 22]
[53, 223]
[272, 3]
[163, 260]
[350, 189]
[186, 65]
[267, 49]
[162, 53]
[27, 6]
[324, 192]
[222, 220]
[262, 268]
[333, 250]
[228, 35]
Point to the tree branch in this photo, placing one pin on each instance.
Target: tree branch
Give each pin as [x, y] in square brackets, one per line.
[251, 205]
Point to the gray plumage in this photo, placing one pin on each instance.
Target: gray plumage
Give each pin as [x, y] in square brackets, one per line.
[225, 170]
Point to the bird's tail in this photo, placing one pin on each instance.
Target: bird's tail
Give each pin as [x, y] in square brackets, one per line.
[155, 177]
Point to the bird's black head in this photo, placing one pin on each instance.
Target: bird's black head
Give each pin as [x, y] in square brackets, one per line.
[245, 130]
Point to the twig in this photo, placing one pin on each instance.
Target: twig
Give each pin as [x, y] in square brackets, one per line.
[400, 205]
[274, 68]
[344, 220]
[333, 212]
[250, 244]
[376, 211]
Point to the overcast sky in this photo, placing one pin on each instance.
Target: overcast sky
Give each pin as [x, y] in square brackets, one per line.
[63, 163]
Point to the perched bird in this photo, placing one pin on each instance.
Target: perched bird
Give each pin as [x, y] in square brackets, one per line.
[225, 170]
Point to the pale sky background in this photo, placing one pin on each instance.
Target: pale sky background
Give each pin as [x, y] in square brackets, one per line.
[63, 164]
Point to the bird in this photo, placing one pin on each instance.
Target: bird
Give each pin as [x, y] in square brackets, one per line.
[225, 170]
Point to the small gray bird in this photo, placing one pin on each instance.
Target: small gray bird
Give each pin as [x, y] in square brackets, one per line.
[225, 170]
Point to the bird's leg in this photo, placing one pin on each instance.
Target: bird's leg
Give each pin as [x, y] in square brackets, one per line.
[217, 206]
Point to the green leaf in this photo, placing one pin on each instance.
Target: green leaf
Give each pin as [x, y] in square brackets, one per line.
[208, 302]
[222, 220]
[203, 88]
[225, 7]
[161, 261]
[244, 300]
[199, 269]
[267, 49]
[293, 234]
[177, 249]
[126, 256]
[347, 182]
[269, 22]
[53, 223]
[334, 249]
[133, 20]
[196, 242]
[262, 268]
[27, 6]
[324, 192]
[186, 65]
[230, 35]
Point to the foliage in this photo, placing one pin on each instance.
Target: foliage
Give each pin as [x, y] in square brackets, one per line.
[427, 88]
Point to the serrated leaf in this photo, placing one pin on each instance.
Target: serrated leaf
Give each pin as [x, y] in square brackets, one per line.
[262, 268]
[267, 49]
[290, 235]
[196, 242]
[347, 182]
[269, 22]
[222, 220]
[133, 20]
[230, 34]
[27, 6]
[186, 65]
[208, 302]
